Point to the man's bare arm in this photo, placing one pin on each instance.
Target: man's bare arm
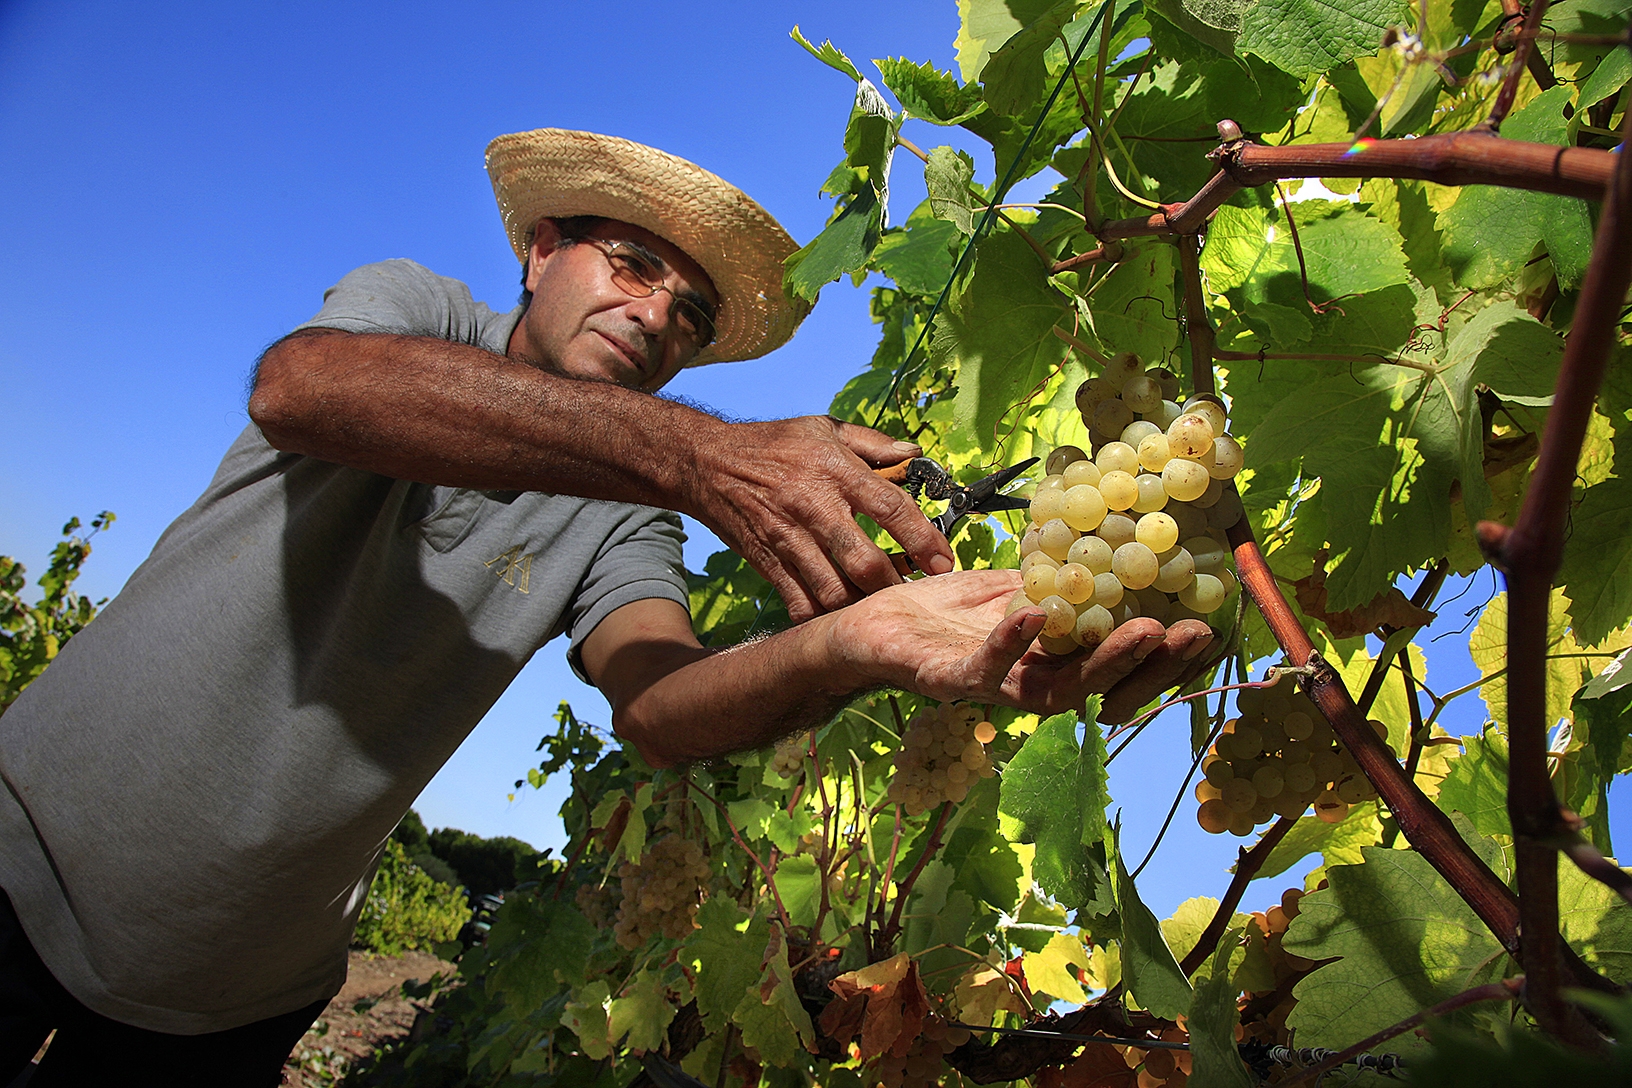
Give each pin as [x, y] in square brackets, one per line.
[946, 638]
[782, 494]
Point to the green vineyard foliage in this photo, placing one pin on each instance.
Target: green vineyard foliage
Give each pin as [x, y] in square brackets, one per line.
[1388, 351]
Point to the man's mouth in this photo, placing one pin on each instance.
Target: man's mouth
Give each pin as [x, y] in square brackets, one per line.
[636, 359]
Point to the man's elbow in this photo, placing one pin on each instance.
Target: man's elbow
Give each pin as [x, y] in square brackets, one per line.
[653, 743]
[280, 403]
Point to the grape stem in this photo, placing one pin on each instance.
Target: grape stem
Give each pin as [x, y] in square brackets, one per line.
[770, 877]
[1247, 864]
[886, 938]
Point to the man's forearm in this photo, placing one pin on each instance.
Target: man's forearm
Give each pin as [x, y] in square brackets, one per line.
[432, 411]
[704, 704]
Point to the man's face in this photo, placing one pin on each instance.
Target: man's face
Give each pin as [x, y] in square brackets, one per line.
[583, 325]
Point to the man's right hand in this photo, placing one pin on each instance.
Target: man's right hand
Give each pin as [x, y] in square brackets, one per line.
[784, 496]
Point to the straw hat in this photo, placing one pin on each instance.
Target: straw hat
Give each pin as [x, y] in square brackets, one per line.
[556, 173]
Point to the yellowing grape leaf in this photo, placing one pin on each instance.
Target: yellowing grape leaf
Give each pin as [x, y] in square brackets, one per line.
[1391, 607]
[1565, 675]
[1053, 971]
[983, 992]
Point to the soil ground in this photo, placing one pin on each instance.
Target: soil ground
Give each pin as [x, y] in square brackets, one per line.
[368, 1011]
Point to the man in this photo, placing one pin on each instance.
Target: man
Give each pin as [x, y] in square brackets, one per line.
[199, 787]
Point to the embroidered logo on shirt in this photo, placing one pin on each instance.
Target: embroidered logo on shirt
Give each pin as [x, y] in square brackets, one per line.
[517, 568]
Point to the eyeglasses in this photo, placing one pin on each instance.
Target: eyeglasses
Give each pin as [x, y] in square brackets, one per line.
[638, 277]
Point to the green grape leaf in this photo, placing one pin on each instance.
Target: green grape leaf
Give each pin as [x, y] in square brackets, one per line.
[1213, 1018]
[772, 1019]
[800, 884]
[999, 334]
[1597, 567]
[984, 861]
[642, 1012]
[1612, 73]
[1168, 126]
[1309, 36]
[1337, 844]
[1346, 251]
[1132, 305]
[928, 93]
[1490, 232]
[537, 945]
[1042, 799]
[842, 247]
[1477, 784]
[1014, 76]
[919, 258]
[1189, 920]
[1212, 22]
[1093, 781]
[1406, 942]
[725, 951]
[585, 1017]
[985, 25]
[1149, 970]
[829, 54]
[947, 176]
[1596, 921]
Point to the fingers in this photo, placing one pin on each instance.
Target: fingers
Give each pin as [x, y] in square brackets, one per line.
[875, 448]
[1004, 647]
[899, 515]
[1163, 664]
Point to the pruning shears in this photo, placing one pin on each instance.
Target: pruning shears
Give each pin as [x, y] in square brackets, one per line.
[922, 477]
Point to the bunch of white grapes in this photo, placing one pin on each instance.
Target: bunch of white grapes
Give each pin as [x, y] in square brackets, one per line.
[925, 1063]
[1136, 528]
[661, 894]
[942, 753]
[1276, 759]
[788, 760]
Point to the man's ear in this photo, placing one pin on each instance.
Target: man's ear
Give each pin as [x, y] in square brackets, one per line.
[546, 237]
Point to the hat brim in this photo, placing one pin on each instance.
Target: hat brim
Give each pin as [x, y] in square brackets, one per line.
[557, 173]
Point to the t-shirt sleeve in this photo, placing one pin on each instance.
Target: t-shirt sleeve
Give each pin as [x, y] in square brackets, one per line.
[406, 298]
[641, 561]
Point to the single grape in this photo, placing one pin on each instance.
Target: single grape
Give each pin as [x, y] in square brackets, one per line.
[1016, 603]
[1092, 392]
[1227, 579]
[1204, 594]
[1061, 457]
[1116, 530]
[1214, 816]
[1210, 497]
[1107, 590]
[1354, 789]
[1039, 582]
[1176, 571]
[1217, 771]
[1056, 538]
[1094, 626]
[1047, 505]
[1119, 489]
[1242, 823]
[1330, 807]
[1164, 416]
[1206, 791]
[1298, 725]
[1208, 553]
[1152, 494]
[1059, 647]
[1289, 804]
[985, 732]
[1054, 482]
[1038, 558]
[1189, 436]
[1228, 458]
[1029, 539]
[1268, 780]
[1156, 531]
[1122, 366]
[1142, 393]
[1075, 583]
[1134, 565]
[1240, 794]
[1209, 408]
[1153, 603]
[1137, 431]
[1226, 511]
[1154, 452]
[1184, 480]
[1116, 457]
[1192, 522]
[1168, 380]
[1112, 416]
[1092, 552]
[1081, 472]
[1247, 740]
[1083, 508]
[1326, 764]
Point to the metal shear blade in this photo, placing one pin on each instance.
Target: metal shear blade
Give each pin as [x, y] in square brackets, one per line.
[984, 496]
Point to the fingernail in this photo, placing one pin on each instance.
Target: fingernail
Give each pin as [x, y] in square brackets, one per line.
[940, 564]
[904, 447]
[1196, 647]
[1147, 646]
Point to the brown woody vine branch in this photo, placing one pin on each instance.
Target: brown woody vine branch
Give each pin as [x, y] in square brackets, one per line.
[1456, 158]
[1246, 868]
[1529, 555]
[1198, 330]
[1523, 50]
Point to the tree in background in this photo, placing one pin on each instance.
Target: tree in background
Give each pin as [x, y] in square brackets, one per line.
[32, 635]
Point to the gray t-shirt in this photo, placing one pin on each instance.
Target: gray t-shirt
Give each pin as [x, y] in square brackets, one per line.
[199, 788]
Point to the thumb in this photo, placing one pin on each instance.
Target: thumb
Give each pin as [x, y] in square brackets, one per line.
[874, 447]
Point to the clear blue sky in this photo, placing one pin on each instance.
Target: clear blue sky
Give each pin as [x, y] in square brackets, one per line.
[183, 180]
